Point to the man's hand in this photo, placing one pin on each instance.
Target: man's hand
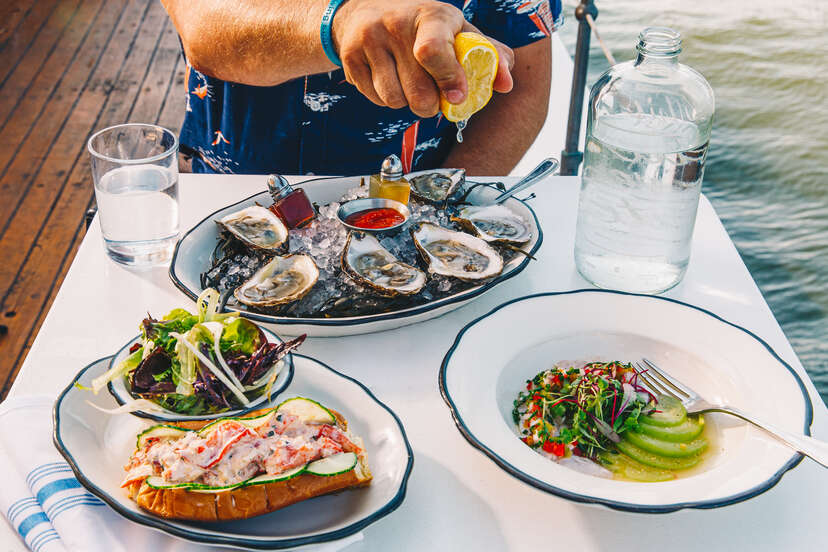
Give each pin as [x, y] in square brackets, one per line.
[401, 52]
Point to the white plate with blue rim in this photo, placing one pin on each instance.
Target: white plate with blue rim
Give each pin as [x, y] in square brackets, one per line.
[192, 257]
[96, 446]
[480, 379]
[119, 388]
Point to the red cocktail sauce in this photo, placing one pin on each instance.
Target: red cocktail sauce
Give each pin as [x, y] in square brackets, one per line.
[374, 219]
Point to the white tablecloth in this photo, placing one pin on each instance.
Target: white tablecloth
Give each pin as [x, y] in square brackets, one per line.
[457, 498]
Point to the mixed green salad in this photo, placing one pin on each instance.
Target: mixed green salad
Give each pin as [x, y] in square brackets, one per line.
[601, 412]
[197, 364]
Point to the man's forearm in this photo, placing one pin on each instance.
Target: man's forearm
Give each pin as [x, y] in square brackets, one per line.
[499, 135]
[256, 42]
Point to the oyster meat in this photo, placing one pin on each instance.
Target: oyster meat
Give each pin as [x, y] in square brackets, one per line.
[435, 187]
[494, 223]
[282, 280]
[257, 228]
[456, 254]
[369, 263]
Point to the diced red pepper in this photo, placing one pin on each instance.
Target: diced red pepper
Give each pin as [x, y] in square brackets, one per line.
[558, 449]
[135, 347]
[529, 386]
[548, 446]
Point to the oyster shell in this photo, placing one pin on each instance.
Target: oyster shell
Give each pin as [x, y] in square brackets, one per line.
[282, 280]
[257, 228]
[369, 263]
[494, 223]
[456, 254]
[435, 187]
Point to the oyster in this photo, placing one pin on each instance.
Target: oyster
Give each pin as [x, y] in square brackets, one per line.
[282, 280]
[437, 188]
[256, 227]
[494, 223]
[456, 254]
[369, 263]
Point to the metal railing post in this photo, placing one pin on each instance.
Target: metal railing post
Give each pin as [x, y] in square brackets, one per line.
[571, 157]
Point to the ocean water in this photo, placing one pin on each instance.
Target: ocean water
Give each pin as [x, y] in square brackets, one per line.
[767, 167]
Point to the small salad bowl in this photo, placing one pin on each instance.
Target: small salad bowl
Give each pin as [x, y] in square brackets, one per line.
[118, 388]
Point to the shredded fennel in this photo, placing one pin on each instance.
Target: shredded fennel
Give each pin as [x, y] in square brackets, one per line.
[237, 391]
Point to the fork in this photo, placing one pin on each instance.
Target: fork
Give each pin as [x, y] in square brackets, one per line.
[659, 382]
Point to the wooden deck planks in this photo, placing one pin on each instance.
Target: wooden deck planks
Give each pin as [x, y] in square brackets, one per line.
[127, 67]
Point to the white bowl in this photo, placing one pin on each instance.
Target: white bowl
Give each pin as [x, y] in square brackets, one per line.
[481, 377]
[193, 251]
[118, 388]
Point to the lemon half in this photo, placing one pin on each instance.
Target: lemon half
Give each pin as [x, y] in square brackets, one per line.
[478, 57]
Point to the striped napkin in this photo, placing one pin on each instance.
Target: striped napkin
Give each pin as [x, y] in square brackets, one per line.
[52, 512]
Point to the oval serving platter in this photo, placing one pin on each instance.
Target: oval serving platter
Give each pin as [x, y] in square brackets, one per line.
[480, 380]
[192, 257]
[118, 388]
[97, 446]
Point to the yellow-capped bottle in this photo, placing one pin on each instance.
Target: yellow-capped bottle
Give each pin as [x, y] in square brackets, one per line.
[389, 183]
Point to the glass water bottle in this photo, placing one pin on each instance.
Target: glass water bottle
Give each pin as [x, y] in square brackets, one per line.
[648, 128]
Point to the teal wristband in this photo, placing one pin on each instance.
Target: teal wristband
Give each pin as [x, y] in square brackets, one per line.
[325, 31]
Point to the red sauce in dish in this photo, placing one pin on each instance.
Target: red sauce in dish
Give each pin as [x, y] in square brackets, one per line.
[373, 219]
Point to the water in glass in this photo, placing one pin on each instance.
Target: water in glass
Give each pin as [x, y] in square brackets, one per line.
[138, 209]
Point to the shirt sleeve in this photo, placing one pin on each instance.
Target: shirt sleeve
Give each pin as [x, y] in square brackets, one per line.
[517, 23]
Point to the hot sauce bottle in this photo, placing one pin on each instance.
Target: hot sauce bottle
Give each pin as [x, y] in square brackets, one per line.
[292, 206]
[389, 183]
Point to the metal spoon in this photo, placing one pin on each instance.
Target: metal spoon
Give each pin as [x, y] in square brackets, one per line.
[544, 169]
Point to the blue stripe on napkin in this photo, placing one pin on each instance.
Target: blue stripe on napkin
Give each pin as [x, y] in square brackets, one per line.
[56, 486]
[30, 522]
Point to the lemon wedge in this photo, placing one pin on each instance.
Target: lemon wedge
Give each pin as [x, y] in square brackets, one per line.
[478, 57]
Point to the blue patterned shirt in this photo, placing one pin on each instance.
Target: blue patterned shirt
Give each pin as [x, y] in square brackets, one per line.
[321, 124]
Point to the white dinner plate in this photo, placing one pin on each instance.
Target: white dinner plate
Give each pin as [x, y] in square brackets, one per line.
[118, 388]
[97, 446]
[192, 257]
[481, 377]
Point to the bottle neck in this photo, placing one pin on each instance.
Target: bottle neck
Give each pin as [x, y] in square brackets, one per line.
[658, 46]
[278, 187]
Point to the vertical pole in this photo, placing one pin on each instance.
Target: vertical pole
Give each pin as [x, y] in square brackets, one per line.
[571, 157]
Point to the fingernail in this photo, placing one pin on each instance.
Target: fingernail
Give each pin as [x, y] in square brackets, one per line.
[454, 96]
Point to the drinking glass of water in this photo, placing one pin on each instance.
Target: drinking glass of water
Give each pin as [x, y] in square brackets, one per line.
[135, 169]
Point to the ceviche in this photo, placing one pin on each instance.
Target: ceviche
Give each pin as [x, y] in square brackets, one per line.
[598, 418]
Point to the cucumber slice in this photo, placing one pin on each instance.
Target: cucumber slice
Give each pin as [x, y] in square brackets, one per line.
[160, 431]
[688, 430]
[157, 482]
[666, 448]
[627, 468]
[333, 465]
[196, 488]
[654, 460]
[266, 478]
[670, 412]
[307, 410]
[252, 423]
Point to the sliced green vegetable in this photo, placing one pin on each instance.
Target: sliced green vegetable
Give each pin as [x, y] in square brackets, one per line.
[160, 431]
[125, 366]
[333, 465]
[666, 448]
[655, 460]
[157, 482]
[669, 412]
[267, 478]
[307, 410]
[628, 468]
[688, 430]
[252, 423]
